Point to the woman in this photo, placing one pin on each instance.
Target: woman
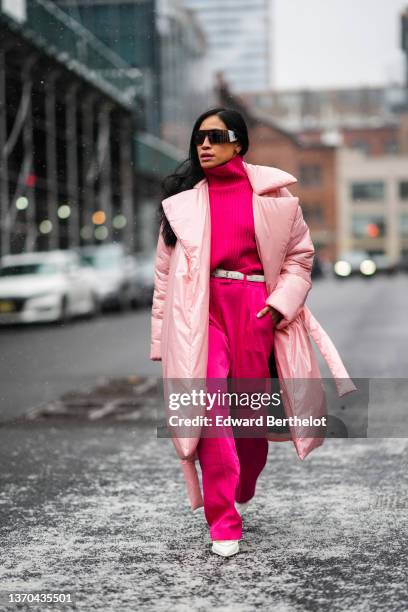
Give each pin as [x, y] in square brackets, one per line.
[233, 264]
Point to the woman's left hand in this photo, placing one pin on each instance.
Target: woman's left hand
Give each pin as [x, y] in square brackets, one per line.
[276, 315]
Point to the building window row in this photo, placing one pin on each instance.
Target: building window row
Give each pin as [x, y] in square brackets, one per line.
[404, 225]
[389, 146]
[313, 213]
[368, 226]
[375, 190]
[375, 226]
[403, 190]
[368, 190]
[310, 174]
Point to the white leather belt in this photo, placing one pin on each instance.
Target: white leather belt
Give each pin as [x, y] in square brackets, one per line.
[220, 273]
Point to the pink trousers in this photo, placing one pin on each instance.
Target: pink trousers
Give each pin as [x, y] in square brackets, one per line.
[239, 346]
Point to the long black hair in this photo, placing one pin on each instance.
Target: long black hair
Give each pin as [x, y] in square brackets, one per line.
[189, 171]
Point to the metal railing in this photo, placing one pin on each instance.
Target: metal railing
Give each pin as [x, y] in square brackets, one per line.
[65, 38]
[155, 157]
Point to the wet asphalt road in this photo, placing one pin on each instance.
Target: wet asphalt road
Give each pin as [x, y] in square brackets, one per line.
[100, 513]
[43, 361]
[365, 317]
[99, 510]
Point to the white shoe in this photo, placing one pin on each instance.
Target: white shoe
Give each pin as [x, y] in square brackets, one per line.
[225, 548]
[241, 508]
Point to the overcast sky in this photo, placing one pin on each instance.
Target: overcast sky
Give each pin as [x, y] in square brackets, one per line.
[319, 43]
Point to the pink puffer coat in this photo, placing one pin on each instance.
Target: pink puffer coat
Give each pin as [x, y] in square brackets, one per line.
[180, 309]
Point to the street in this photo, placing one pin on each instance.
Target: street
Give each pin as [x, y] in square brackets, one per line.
[43, 361]
[100, 511]
[128, 127]
[366, 318]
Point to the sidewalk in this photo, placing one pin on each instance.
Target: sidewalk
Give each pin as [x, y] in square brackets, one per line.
[97, 508]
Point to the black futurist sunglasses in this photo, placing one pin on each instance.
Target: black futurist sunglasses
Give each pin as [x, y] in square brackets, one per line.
[214, 136]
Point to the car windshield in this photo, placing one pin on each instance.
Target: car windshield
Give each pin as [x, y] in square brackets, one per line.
[145, 258]
[354, 255]
[101, 261]
[42, 269]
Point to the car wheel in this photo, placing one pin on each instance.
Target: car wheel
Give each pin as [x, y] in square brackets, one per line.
[63, 317]
[124, 301]
[96, 308]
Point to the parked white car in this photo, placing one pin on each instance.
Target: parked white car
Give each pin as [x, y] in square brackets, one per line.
[354, 262]
[144, 278]
[362, 263]
[116, 273]
[45, 286]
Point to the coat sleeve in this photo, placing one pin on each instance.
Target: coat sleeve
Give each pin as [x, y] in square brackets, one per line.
[294, 282]
[161, 272]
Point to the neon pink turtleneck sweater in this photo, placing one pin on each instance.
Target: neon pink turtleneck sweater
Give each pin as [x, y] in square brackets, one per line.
[233, 245]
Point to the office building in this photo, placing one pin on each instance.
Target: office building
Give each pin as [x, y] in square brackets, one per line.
[239, 38]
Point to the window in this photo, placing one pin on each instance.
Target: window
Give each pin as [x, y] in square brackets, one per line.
[361, 145]
[403, 190]
[368, 226]
[310, 174]
[404, 225]
[391, 146]
[373, 190]
[313, 213]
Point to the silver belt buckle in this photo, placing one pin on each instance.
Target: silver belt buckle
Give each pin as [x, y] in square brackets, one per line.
[256, 278]
[234, 274]
[219, 272]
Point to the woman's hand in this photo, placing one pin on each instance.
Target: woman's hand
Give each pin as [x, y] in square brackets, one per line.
[275, 314]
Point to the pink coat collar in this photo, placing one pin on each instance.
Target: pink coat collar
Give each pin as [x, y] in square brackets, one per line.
[262, 178]
[186, 211]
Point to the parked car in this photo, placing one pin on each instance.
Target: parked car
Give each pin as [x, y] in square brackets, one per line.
[45, 286]
[116, 272]
[317, 268]
[403, 263]
[361, 262]
[354, 262]
[384, 264]
[144, 278]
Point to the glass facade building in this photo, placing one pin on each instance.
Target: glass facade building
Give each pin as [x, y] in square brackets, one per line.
[239, 35]
[162, 40]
